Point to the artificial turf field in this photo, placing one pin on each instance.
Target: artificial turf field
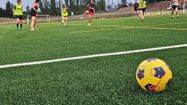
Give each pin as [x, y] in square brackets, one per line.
[96, 81]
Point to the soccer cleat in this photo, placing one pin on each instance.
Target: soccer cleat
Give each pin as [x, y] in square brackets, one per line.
[89, 24]
[171, 17]
[65, 24]
[32, 29]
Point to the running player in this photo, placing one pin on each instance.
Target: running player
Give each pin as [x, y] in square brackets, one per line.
[33, 13]
[64, 14]
[175, 4]
[17, 11]
[136, 5]
[142, 7]
[90, 11]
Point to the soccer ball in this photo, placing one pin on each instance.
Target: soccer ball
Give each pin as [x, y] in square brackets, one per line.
[153, 74]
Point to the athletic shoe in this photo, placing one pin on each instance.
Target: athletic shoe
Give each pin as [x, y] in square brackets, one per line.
[32, 29]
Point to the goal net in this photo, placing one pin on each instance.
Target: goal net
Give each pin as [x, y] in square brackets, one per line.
[40, 18]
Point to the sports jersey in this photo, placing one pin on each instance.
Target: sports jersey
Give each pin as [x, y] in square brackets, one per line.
[142, 4]
[18, 10]
[91, 7]
[175, 2]
[64, 12]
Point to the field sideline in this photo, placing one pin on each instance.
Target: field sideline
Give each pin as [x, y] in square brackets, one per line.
[92, 56]
[102, 80]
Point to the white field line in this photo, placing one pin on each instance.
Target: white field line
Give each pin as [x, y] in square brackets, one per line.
[111, 28]
[92, 56]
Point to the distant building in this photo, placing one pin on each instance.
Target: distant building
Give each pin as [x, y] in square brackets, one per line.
[111, 5]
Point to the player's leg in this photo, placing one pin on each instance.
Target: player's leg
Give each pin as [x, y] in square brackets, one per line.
[137, 14]
[62, 16]
[177, 12]
[65, 20]
[21, 21]
[90, 18]
[141, 15]
[62, 19]
[85, 13]
[33, 18]
[17, 22]
[35, 24]
[32, 23]
[172, 11]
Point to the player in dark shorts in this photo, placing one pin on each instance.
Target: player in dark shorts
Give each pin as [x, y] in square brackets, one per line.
[17, 11]
[175, 4]
[136, 5]
[33, 13]
[90, 11]
[142, 7]
[64, 14]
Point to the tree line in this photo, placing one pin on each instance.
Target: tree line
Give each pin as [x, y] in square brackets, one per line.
[7, 12]
[53, 7]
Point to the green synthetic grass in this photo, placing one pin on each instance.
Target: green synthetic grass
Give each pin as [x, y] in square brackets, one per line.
[97, 81]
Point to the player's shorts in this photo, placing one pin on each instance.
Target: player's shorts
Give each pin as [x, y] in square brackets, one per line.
[142, 9]
[33, 13]
[174, 7]
[19, 17]
[90, 12]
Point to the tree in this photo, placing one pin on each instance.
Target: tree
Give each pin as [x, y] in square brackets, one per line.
[1, 12]
[8, 9]
[42, 7]
[53, 9]
[46, 7]
[100, 5]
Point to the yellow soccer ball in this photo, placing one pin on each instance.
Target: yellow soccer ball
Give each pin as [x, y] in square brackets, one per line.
[153, 74]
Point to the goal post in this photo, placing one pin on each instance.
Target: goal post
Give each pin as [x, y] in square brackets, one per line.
[184, 6]
[40, 18]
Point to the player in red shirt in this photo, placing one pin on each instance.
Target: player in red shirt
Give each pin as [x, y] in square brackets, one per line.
[90, 11]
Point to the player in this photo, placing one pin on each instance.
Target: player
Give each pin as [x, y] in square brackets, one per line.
[175, 4]
[17, 11]
[142, 7]
[64, 14]
[90, 11]
[33, 13]
[136, 5]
